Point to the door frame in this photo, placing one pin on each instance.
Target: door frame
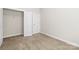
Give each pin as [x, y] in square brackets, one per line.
[28, 27]
[27, 21]
[22, 23]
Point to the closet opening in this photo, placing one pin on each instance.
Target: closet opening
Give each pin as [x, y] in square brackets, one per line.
[13, 23]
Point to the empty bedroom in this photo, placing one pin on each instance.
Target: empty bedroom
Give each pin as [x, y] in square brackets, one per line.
[39, 28]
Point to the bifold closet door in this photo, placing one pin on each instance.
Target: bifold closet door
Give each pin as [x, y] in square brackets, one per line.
[12, 23]
[1, 24]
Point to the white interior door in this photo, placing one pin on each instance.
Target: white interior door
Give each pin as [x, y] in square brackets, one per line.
[27, 23]
[1, 28]
[36, 23]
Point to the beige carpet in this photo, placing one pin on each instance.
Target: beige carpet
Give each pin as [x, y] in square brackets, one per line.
[36, 42]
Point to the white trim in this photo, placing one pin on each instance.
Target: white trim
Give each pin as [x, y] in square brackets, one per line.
[12, 35]
[27, 35]
[35, 33]
[58, 38]
[1, 40]
[16, 9]
[1, 28]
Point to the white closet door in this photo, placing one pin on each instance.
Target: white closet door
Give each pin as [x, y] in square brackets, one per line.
[12, 23]
[36, 23]
[1, 28]
[27, 23]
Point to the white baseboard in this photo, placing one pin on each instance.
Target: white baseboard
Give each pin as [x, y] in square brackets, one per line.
[12, 35]
[66, 41]
[35, 33]
[25, 35]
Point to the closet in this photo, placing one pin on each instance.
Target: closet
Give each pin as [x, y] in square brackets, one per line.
[12, 23]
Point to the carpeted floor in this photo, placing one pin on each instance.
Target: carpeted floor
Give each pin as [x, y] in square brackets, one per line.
[35, 42]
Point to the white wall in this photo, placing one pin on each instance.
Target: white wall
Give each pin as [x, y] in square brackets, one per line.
[12, 23]
[1, 29]
[61, 22]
